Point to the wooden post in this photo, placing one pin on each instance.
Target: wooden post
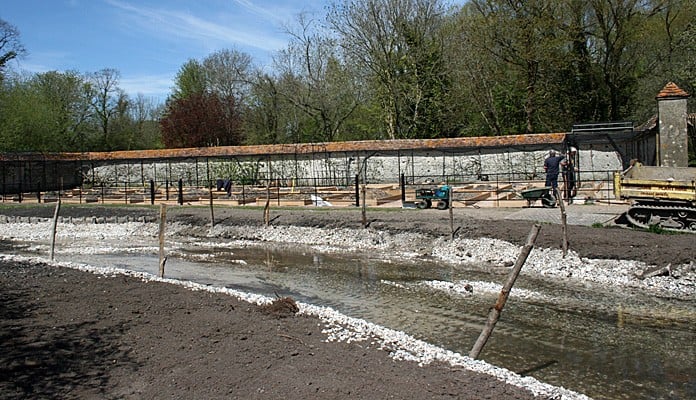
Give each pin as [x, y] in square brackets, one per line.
[162, 225]
[212, 213]
[497, 309]
[564, 225]
[364, 205]
[267, 206]
[53, 230]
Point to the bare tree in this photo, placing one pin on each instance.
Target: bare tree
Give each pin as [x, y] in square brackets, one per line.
[228, 74]
[316, 81]
[10, 45]
[108, 102]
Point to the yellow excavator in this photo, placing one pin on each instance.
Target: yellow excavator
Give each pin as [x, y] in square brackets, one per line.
[659, 196]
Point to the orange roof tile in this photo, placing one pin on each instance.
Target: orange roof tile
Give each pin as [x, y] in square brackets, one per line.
[671, 90]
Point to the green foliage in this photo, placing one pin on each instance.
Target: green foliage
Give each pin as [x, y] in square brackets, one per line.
[381, 69]
[242, 173]
[189, 81]
[65, 111]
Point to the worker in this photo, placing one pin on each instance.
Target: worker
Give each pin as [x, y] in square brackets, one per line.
[552, 166]
[569, 169]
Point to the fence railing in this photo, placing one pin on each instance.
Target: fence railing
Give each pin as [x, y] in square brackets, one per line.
[492, 190]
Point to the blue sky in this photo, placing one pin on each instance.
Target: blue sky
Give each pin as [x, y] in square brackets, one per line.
[148, 41]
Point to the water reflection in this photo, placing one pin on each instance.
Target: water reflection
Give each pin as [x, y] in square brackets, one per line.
[608, 345]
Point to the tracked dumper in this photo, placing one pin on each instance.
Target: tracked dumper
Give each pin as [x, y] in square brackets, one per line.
[660, 196]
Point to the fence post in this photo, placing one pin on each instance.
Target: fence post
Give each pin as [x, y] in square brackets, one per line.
[267, 206]
[181, 192]
[357, 190]
[564, 225]
[152, 191]
[53, 230]
[364, 205]
[497, 309]
[212, 215]
[162, 225]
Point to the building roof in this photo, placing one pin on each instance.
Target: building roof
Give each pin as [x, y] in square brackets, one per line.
[460, 144]
[670, 91]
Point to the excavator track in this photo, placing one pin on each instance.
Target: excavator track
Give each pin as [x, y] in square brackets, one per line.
[669, 218]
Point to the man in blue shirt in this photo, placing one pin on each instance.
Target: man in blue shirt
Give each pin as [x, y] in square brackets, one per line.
[552, 166]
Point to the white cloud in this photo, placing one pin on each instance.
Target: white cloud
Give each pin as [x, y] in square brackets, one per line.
[246, 32]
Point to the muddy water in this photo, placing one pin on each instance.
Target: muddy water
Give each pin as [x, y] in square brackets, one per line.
[608, 345]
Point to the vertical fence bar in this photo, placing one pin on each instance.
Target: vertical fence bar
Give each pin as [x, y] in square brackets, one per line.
[403, 189]
[181, 192]
[152, 191]
[357, 190]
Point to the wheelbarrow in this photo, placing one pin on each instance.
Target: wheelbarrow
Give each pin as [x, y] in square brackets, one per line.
[543, 194]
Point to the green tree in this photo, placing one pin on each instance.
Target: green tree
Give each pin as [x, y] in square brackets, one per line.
[190, 80]
[523, 37]
[397, 46]
[46, 112]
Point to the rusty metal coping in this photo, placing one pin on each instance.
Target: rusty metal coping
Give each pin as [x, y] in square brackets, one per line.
[356, 147]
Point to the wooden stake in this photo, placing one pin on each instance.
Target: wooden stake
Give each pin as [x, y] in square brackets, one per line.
[162, 225]
[53, 230]
[364, 205]
[212, 213]
[267, 207]
[564, 225]
[497, 309]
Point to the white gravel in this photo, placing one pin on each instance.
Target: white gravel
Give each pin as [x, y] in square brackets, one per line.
[542, 263]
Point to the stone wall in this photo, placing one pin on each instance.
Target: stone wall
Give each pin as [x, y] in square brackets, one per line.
[341, 169]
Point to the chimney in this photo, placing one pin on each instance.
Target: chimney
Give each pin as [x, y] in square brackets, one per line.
[673, 144]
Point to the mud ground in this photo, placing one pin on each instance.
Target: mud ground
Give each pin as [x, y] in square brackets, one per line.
[69, 334]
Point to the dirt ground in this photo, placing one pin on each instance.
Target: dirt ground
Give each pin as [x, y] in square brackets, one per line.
[69, 334]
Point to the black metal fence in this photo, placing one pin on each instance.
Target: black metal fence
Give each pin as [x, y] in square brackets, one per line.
[496, 190]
